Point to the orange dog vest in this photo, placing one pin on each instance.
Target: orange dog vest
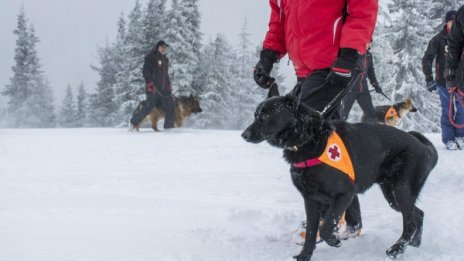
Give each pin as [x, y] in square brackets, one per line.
[335, 155]
[392, 113]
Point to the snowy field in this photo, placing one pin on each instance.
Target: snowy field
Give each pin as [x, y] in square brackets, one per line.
[188, 195]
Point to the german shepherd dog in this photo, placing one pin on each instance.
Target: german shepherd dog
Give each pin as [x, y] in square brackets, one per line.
[392, 114]
[185, 106]
[396, 160]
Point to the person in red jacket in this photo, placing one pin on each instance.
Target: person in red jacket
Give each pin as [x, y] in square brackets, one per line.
[323, 39]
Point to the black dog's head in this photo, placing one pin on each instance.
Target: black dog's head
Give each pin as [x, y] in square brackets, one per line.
[284, 123]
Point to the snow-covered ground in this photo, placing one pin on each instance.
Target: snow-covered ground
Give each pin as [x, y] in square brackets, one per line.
[190, 195]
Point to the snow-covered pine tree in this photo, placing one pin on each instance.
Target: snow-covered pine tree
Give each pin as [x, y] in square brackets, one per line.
[153, 23]
[185, 51]
[30, 96]
[135, 33]
[202, 70]
[68, 114]
[246, 94]
[124, 92]
[103, 106]
[82, 106]
[177, 45]
[402, 34]
[219, 85]
[130, 85]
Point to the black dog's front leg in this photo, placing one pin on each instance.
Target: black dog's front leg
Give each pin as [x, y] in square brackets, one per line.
[332, 216]
[313, 214]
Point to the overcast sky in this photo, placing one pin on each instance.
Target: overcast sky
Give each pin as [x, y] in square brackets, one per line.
[71, 30]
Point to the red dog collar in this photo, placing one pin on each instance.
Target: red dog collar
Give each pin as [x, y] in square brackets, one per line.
[307, 163]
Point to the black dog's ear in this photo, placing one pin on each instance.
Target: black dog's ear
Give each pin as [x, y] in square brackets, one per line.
[273, 91]
[290, 101]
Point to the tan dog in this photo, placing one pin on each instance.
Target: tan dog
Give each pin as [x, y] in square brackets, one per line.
[392, 114]
[185, 106]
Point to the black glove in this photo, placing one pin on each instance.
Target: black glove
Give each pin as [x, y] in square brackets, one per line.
[377, 88]
[343, 68]
[431, 86]
[451, 79]
[263, 68]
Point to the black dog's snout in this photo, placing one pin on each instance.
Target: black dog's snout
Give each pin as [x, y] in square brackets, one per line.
[253, 136]
[246, 135]
[414, 109]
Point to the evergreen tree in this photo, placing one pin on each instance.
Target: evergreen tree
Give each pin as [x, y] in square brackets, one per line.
[154, 23]
[135, 34]
[68, 116]
[216, 102]
[133, 63]
[122, 61]
[30, 96]
[177, 45]
[405, 35]
[104, 107]
[185, 52]
[246, 95]
[82, 106]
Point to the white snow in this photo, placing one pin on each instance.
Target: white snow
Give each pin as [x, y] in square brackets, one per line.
[188, 195]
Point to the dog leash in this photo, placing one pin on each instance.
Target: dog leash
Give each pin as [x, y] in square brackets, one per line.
[384, 95]
[273, 90]
[456, 95]
[333, 105]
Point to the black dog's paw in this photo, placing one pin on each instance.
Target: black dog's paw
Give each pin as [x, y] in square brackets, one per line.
[396, 250]
[333, 241]
[302, 257]
[329, 237]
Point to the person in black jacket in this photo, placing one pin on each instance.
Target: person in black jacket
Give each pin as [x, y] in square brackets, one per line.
[158, 85]
[360, 91]
[439, 49]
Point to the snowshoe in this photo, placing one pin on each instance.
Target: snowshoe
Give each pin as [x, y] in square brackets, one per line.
[299, 235]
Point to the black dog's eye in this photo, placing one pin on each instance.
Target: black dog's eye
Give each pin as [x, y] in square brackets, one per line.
[264, 117]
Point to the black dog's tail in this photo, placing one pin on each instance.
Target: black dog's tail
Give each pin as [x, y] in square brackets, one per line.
[429, 164]
[428, 144]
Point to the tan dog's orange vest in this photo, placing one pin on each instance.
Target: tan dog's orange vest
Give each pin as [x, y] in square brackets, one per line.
[392, 113]
[335, 155]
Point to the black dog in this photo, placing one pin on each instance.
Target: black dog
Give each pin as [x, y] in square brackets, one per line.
[396, 160]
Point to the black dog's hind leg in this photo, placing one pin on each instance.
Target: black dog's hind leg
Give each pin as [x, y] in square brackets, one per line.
[404, 198]
[313, 214]
[332, 217]
[389, 194]
[419, 223]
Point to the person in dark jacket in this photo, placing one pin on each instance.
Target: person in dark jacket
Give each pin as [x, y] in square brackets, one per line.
[158, 85]
[360, 91]
[437, 50]
[323, 39]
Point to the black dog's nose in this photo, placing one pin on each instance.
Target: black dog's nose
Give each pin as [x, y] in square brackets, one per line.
[246, 135]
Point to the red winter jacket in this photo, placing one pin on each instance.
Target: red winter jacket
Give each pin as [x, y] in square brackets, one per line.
[312, 31]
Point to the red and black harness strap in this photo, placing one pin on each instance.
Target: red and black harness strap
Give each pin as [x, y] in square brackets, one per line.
[456, 95]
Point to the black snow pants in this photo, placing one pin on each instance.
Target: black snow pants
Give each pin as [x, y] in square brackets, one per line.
[166, 102]
[314, 92]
